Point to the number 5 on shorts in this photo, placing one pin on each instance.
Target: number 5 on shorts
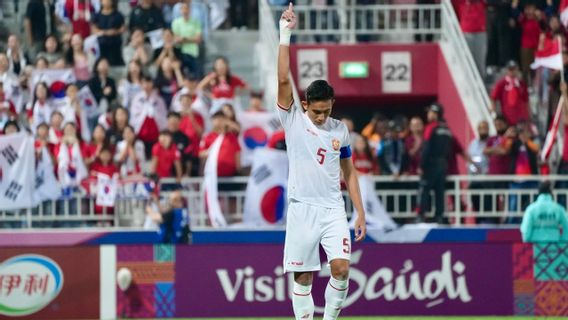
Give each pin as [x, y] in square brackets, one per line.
[346, 248]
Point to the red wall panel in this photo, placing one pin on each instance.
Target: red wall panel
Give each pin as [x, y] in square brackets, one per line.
[424, 69]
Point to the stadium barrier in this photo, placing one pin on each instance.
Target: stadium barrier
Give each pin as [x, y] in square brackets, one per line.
[475, 279]
[496, 199]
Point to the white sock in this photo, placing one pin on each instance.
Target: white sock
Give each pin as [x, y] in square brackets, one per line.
[302, 302]
[335, 294]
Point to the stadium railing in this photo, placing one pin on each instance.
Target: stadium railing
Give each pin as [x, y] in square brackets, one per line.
[495, 198]
[346, 22]
[463, 69]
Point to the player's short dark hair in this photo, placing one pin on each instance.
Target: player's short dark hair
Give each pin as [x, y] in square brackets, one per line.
[319, 90]
[173, 114]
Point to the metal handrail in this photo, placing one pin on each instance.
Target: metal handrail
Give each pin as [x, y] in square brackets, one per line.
[463, 69]
[497, 199]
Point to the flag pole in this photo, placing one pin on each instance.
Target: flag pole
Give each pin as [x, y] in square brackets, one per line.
[561, 53]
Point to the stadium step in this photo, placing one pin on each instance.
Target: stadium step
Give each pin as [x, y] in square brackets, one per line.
[239, 48]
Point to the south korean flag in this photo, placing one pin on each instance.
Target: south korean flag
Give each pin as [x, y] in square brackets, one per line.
[17, 161]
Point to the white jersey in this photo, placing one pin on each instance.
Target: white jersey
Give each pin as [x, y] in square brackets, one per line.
[314, 153]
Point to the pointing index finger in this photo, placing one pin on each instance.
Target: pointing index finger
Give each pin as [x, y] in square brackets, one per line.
[291, 7]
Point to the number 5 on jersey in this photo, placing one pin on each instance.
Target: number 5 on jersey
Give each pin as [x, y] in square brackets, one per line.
[321, 155]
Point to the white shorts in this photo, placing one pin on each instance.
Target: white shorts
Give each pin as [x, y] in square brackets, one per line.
[306, 227]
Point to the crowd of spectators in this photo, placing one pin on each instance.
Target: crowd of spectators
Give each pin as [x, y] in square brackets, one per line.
[162, 111]
[153, 102]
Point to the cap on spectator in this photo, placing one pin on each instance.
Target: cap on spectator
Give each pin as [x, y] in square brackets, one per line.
[545, 188]
[512, 64]
[436, 107]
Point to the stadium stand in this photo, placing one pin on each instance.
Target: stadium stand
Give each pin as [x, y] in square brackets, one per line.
[140, 91]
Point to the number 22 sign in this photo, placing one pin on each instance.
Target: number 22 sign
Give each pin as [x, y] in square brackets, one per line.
[312, 65]
[396, 71]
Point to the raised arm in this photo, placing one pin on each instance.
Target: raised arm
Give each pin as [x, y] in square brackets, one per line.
[287, 23]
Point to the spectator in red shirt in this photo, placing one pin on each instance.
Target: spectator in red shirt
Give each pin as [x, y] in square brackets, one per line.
[192, 125]
[103, 165]
[232, 124]
[363, 159]
[166, 159]
[98, 142]
[471, 14]
[512, 94]
[222, 83]
[529, 21]
[229, 159]
[80, 13]
[498, 149]
[413, 144]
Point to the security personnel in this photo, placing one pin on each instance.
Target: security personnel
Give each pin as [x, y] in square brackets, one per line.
[434, 162]
[543, 219]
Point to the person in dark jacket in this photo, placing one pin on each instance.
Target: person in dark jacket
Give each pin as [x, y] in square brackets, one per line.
[102, 86]
[434, 162]
[172, 219]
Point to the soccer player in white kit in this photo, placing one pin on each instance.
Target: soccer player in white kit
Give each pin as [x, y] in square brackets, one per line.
[318, 149]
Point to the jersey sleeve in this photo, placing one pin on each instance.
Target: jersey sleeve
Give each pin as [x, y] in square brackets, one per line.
[286, 114]
[345, 150]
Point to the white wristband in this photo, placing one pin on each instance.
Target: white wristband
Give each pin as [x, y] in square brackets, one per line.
[285, 33]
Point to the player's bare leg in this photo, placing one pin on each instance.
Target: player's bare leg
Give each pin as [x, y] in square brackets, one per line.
[302, 300]
[337, 287]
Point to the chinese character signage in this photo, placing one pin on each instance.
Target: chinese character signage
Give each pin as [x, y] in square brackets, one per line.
[49, 283]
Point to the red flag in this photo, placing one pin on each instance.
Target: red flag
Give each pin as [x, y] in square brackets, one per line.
[563, 9]
[550, 56]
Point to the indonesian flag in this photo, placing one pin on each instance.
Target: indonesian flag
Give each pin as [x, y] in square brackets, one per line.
[563, 9]
[552, 133]
[550, 56]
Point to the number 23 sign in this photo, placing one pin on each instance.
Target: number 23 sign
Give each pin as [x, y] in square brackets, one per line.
[396, 71]
[312, 65]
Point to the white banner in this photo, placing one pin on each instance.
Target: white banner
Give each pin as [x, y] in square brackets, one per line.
[17, 162]
[265, 202]
[375, 214]
[256, 130]
[106, 190]
[91, 45]
[46, 185]
[156, 38]
[88, 103]
[53, 76]
[210, 185]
